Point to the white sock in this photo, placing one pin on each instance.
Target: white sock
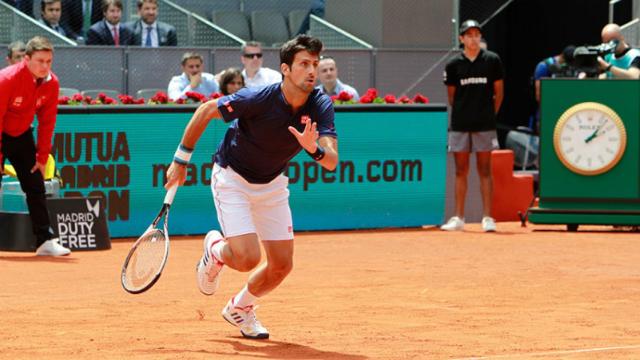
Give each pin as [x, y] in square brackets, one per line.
[244, 298]
[216, 249]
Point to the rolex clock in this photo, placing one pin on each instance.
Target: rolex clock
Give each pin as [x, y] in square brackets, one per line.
[589, 138]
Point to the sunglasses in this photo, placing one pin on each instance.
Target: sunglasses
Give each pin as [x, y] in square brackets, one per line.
[249, 56]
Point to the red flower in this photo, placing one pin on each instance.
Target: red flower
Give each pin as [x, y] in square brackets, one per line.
[390, 99]
[366, 99]
[93, 102]
[344, 96]
[420, 99]
[77, 97]
[215, 95]
[139, 101]
[64, 100]
[334, 98]
[87, 100]
[373, 92]
[180, 101]
[159, 98]
[404, 99]
[109, 101]
[195, 96]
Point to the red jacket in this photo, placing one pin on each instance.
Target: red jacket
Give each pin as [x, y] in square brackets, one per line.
[21, 99]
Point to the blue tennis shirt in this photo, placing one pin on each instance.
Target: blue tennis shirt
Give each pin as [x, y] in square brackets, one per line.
[258, 144]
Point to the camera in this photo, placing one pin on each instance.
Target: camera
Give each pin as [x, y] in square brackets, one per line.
[586, 57]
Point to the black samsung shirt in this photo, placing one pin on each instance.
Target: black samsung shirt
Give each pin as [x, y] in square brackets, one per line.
[473, 108]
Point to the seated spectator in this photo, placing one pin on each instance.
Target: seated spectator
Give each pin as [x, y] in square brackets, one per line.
[79, 15]
[110, 31]
[256, 76]
[231, 80]
[192, 78]
[329, 82]
[150, 32]
[17, 50]
[50, 12]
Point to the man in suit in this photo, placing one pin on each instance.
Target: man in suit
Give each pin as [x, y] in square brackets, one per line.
[148, 31]
[50, 12]
[110, 31]
[79, 15]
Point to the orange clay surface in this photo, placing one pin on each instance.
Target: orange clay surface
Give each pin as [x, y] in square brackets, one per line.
[522, 293]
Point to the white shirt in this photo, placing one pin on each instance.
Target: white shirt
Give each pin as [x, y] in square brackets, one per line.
[179, 85]
[154, 34]
[263, 77]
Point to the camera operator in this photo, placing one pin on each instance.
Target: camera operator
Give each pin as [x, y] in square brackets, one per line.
[560, 65]
[624, 62]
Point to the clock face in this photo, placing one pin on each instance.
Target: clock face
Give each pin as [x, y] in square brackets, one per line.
[589, 138]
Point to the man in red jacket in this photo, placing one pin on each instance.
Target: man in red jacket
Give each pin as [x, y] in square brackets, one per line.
[27, 89]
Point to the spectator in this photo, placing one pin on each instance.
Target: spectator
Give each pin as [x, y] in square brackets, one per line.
[624, 62]
[27, 89]
[475, 90]
[317, 9]
[552, 66]
[16, 52]
[192, 78]
[330, 84]
[110, 31]
[150, 32]
[231, 80]
[256, 76]
[79, 15]
[26, 6]
[51, 10]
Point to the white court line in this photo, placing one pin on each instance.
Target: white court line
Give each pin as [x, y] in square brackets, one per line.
[561, 352]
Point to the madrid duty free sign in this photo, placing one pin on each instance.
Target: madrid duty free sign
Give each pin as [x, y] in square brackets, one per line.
[590, 161]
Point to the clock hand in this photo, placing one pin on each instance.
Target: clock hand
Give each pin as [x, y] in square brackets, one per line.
[595, 133]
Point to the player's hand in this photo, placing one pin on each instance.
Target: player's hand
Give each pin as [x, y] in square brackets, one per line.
[39, 167]
[308, 137]
[602, 64]
[176, 175]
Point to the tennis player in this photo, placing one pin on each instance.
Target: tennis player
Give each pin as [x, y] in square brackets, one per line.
[269, 127]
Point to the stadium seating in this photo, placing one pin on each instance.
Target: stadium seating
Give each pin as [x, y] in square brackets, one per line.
[269, 27]
[68, 91]
[233, 21]
[295, 19]
[148, 93]
[93, 93]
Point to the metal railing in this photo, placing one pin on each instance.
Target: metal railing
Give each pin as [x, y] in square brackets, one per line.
[14, 25]
[631, 32]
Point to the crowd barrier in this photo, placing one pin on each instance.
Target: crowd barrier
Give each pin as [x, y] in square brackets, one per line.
[392, 169]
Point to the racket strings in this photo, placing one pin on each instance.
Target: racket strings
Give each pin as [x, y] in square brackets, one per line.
[146, 261]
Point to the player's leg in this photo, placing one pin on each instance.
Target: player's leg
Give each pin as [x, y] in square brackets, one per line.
[483, 143]
[272, 217]
[21, 152]
[241, 249]
[459, 146]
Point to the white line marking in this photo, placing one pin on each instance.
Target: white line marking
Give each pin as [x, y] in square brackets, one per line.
[561, 352]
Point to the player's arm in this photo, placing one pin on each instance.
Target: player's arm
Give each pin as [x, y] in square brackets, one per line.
[176, 174]
[323, 150]
[451, 93]
[498, 94]
[330, 146]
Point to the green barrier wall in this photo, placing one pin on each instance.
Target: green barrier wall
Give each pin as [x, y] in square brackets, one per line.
[392, 168]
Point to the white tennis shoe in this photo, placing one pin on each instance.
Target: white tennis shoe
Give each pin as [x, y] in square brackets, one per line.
[209, 268]
[488, 224]
[52, 247]
[245, 319]
[454, 224]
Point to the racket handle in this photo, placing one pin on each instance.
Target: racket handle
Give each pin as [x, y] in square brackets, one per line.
[171, 193]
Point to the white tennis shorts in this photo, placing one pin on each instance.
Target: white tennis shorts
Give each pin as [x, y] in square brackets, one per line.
[245, 208]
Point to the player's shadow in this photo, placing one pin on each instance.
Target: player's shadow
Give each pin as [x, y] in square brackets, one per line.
[34, 258]
[285, 350]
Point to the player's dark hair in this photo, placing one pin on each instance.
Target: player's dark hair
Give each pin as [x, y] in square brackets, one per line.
[300, 43]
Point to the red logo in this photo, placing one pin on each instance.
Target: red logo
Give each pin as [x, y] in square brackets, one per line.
[17, 101]
[305, 119]
[228, 106]
[290, 229]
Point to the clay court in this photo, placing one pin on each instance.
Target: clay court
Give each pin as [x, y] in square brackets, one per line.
[522, 293]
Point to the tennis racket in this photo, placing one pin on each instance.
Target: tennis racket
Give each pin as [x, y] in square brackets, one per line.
[148, 255]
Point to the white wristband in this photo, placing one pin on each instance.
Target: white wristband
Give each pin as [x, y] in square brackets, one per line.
[182, 155]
